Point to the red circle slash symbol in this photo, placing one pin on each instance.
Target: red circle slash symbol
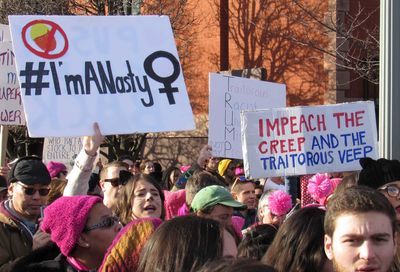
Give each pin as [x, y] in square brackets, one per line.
[42, 33]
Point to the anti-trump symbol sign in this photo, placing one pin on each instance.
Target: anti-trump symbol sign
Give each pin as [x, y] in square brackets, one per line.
[308, 140]
[120, 71]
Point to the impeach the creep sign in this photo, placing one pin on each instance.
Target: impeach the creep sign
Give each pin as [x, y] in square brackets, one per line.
[307, 140]
[120, 71]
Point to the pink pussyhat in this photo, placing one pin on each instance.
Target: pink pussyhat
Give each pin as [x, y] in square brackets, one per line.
[320, 187]
[279, 202]
[65, 219]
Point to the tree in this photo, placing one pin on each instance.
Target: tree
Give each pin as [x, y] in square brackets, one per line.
[357, 48]
[259, 29]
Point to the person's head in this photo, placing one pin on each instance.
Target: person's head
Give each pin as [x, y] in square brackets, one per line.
[217, 203]
[170, 176]
[124, 252]
[383, 175]
[196, 182]
[360, 230]
[348, 181]
[235, 265]
[29, 187]
[299, 243]
[57, 187]
[128, 160]
[321, 186]
[82, 227]
[3, 188]
[256, 241]
[110, 182]
[212, 164]
[243, 190]
[57, 169]
[147, 167]
[140, 197]
[273, 207]
[181, 244]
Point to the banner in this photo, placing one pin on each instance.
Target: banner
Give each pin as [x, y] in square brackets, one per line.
[228, 97]
[11, 110]
[5, 35]
[120, 71]
[308, 140]
[63, 150]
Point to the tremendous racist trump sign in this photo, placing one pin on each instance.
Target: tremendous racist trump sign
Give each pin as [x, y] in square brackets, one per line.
[307, 140]
[120, 71]
[228, 97]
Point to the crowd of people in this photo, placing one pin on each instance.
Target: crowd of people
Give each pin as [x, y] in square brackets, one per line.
[134, 216]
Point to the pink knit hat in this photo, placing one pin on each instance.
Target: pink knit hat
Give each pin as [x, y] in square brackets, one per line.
[55, 168]
[65, 219]
[279, 202]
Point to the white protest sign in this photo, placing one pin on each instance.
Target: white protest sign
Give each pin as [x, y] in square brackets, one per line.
[120, 71]
[228, 96]
[63, 150]
[11, 110]
[308, 140]
[5, 35]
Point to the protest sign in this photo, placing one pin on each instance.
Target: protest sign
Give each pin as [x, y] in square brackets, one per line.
[308, 140]
[5, 35]
[228, 97]
[120, 71]
[62, 150]
[11, 110]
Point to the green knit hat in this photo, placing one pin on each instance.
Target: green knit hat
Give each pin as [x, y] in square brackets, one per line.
[213, 195]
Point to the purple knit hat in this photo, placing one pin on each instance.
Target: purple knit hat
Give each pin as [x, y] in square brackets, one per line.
[55, 168]
[65, 219]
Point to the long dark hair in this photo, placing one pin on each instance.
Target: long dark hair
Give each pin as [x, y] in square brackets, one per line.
[165, 177]
[299, 243]
[182, 244]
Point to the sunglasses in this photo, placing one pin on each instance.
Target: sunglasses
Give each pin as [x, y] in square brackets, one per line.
[31, 191]
[391, 189]
[123, 178]
[108, 222]
[242, 179]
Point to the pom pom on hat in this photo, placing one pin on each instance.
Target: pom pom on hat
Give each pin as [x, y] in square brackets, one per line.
[279, 202]
[55, 168]
[320, 187]
[65, 219]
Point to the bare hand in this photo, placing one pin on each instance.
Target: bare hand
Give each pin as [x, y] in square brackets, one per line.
[40, 239]
[4, 171]
[204, 156]
[92, 143]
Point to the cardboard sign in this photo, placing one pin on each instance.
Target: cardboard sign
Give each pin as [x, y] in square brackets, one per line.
[308, 140]
[120, 71]
[5, 35]
[11, 110]
[228, 97]
[62, 150]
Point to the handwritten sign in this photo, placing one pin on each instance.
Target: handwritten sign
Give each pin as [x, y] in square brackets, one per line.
[11, 110]
[62, 150]
[5, 35]
[228, 97]
[308, 140]
[120, 71]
